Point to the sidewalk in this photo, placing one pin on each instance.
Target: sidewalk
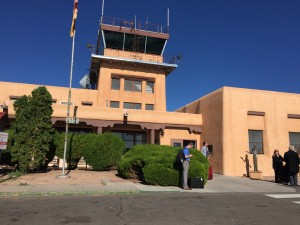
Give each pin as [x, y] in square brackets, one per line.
[109, 183]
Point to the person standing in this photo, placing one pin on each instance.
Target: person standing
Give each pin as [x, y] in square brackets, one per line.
[204, 150]
[291, 159]
[277, 166]
[186, 166]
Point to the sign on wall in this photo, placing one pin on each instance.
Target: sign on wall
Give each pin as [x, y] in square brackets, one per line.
[3, 140]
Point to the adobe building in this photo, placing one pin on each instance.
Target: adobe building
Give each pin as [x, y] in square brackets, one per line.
[235, 119]
[125, 93]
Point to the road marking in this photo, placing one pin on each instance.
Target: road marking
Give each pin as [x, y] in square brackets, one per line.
[297, 202]
[284, 196]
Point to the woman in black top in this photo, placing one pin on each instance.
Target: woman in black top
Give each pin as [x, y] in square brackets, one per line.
[277, 166]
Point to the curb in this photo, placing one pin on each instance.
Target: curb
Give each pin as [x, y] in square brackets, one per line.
[51, 194]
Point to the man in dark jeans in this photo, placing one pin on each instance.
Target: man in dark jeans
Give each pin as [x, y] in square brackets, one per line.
[292, 161]
[186, 166]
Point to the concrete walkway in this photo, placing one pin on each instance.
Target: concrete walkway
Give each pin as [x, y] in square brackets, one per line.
[219, 184]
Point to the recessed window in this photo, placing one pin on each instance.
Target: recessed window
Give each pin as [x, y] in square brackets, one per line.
[149, 107]
[149, 87]
[87, 103]
[133, 85]
[114, 104]
[130, 105]
[256, 140]
[295, 140]
[14, 97]
[115, 83]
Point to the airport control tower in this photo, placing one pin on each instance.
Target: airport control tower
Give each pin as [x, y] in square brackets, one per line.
[128, 67]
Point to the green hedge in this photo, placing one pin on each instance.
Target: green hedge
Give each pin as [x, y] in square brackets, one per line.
[77, 144]
[155, 164]
[104, 151]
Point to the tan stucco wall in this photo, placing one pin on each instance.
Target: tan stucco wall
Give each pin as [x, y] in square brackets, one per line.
[211, 109]
[226, 123]
[8, 89]
[158, 98]
[275, 125]
[94, 112]
[133, 55]
[179, 134]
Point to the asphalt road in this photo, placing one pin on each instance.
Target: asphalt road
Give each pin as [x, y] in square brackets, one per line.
[153, 209]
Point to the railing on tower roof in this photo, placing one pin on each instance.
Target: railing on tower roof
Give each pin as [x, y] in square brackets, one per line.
[144, 26]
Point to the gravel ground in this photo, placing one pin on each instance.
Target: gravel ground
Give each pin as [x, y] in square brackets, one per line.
[76, 177]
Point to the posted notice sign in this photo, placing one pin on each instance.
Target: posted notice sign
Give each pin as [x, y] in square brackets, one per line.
[3, 140]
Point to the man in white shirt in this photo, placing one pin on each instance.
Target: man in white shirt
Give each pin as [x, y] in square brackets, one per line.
[204, 149]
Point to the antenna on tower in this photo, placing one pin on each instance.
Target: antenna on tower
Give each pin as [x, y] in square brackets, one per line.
[99, 29]
[168, 19]
[102, 11]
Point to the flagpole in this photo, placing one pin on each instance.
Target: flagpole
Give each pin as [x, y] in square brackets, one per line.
[63, 175]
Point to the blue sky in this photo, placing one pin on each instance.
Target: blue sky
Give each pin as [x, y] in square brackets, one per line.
[240, 43]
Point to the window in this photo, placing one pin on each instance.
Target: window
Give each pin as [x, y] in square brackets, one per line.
[295, 140]
[182, 143]
[149, 107]
[133, 85]
[114, 104]
[176, 144]
[115, 83]
[256, 139]
[149, 87]
[131, 138]
[130, 105]
[87, 103]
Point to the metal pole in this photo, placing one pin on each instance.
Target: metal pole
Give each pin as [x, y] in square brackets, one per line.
[68, 110]
[102, 10]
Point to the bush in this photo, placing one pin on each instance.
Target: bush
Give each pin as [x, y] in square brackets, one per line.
[77, 143]
[33, 132]
[155, 164]
[104, 151]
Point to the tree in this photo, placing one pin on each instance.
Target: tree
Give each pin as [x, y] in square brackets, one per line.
[33, 131]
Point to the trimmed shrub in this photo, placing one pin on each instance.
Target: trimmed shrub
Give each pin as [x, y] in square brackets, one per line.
[77, 143]
[155, 164]
[104, 151]
[153, 174]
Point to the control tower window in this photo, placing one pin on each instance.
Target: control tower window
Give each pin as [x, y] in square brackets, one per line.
[115, 84]
[130, 105]
[133, 85]
[149, 87]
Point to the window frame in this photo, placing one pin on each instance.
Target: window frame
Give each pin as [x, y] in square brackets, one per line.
[149, 105]
[132, 105]
[133, 85]
[115, 86]
[256, 143]
[295, 144]
[110, 104]
[150, 91]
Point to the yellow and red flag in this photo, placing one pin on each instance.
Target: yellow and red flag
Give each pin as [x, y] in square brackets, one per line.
[75, 11]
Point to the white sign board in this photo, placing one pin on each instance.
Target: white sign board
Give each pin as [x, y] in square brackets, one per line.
[3, 140]
[73, 120]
